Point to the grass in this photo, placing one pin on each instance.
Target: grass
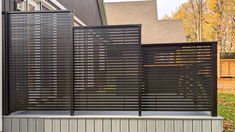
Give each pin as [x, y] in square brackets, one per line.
[226, 109]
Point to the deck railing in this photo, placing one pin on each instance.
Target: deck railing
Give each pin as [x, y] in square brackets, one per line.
[53, 66]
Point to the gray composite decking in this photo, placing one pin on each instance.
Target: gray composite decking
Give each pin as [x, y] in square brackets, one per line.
[112, 122]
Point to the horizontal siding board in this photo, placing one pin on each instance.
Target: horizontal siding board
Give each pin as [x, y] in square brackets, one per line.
[73, 125]
[7, 124]
[48, 125]
[116, 125]
[32, 125]
[133, 125]
[15, 125]
[160, 126]
[39, 125]
[107, 125]
[178, 126]
[124, 125]
[169, 125]
[55, 124]
[99, 125]
[90, 125]
[217, 125]
[64, 125]
[188, 126]
[142, 125]
[151, 126]
[206, 126]
[197, 126]
[82, 125]
[24, 125]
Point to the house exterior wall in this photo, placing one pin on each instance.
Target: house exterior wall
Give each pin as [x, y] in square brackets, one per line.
[112, 124]
[145, 13]
[8, 5]
[86, 10]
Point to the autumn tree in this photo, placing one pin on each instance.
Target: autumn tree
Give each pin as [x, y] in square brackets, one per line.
[209, 20]
[221, 21]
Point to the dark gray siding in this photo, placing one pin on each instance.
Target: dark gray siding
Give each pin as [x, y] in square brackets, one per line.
[8, 5]
[85, 10]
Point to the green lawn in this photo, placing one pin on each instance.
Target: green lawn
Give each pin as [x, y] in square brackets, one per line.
[226, 109]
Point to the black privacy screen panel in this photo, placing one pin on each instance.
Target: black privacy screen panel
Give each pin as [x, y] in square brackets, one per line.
[177, 77]
[40, 60]
[107, 68]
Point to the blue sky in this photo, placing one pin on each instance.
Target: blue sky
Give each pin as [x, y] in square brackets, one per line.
[165, 7]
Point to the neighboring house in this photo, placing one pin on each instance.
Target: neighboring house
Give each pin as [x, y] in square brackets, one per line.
[87, 12]
[145, 12]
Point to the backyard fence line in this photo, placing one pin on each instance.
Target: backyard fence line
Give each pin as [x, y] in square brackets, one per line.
[52, 66]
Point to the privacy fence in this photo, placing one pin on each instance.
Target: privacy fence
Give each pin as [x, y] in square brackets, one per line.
[52, 66]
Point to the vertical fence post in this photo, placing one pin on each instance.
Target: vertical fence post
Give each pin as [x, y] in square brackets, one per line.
[72, 69]
[5, 51]
[141, 73]
[214, 80]
[1, 76]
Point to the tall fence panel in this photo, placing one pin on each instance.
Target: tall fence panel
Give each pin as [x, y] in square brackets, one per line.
[178, 77]
[40, 60]
[107, 68]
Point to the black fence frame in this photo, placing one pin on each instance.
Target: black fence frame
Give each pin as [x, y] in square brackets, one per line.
[139, 109]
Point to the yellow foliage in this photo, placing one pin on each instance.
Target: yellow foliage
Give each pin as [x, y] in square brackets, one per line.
[217, 21]
[212, 4]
